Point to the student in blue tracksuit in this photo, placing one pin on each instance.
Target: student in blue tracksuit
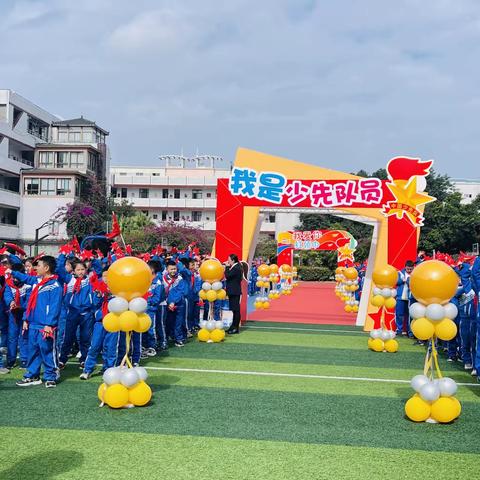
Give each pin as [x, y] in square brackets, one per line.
[79, 302]
[41, 320]
[252, 283]
[403, 297]
[102, 341]
[174, 305]
[16, 297]
[188, 269]
[467, 316]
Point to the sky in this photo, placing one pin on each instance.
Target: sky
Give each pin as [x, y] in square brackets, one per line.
[345, 84]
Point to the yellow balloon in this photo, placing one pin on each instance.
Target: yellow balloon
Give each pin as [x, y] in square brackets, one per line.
[211, 295]
[217, 335]
[286, 268]
[128, 321]
[445, 329]
[417, 409]
[271, 295]
[391, 346]
[266, 304]
[444, 410]
[273, 268]
[377, 345]
[369, 343]
[385, 277]
[129, 277]
[390, 303]
[422, 328]
[348, 308]
[140, 394]
[111, 322]
[351, 273]
[202, 294]
[101, 391]
[377, 301]
[355, 308]
[458, 406]
[116, 396]
[144, 323]
[258, 304]
[339, 270]
[259, 284]
[221, 294]
[211, 270]
[433, 282]
[203, 335]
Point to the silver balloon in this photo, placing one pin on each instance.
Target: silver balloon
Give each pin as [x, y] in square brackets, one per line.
[210, 325]
[384, 335]
[141, 372]
[391, 334]
[129, 377]
[417, 310]
[386, 292]
[448, 387]
[375, 333]
[206, 286]
[377, 291]
[394, 292]
[418, 381]
[430, 392]
[112, 375]
[217, 286]
[450, 310]
[435, 312]
[219, 324]
[117, 305]
[138, 305]
[202, 324]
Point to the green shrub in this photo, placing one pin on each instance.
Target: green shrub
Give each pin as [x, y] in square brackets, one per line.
[315, 274]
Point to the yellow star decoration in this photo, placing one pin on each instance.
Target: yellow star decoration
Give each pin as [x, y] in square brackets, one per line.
[345, 252]
[408, 200]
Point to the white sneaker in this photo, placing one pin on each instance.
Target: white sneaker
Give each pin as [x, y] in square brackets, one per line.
[468, 366]
[474, 373]
[85, 376]
[4, 371]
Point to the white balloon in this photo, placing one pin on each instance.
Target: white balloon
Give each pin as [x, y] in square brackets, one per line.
[417, 310]
[219, 324]
[430, 392]
[450, 310]
[394, 292]
[448, 387]
[138, 305]
[418, 381]
[202, 323]
[386, 292]
[206, 286]
[117, 305]
[210, 325]
[375, 333]
[421, 183]
[142, 372]
[435, 312]
[112, 375]
[377, 291]
[217, 286]
[349, 282]
[129, 377]
[384, 335]
[391, 334]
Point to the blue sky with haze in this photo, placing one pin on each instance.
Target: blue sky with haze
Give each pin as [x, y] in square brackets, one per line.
[345, 84]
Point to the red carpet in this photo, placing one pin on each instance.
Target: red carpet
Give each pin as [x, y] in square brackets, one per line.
[310, 302]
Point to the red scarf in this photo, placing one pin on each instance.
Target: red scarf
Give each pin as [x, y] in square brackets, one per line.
[169, 283]
[78, 285]
[10, 283]
[104, 306]
[32, 301]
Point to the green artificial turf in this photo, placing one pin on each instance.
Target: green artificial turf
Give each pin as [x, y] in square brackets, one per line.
[208, 425]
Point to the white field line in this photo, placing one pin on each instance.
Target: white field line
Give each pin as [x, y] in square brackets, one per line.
[291, 375]
[248, 327]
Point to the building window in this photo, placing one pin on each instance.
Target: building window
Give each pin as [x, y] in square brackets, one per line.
[38, 128]
[155, 216]
[92, 161]
[155, 174]
[46, 159]
[176, 193]
[209, 195]
[164, 192]
[176, 215]
[76, 159]
[139, 174]
[47, 186]
[87, 136]
[62, 160]
[113, 192]
[124, 193]
[63, 136]
[63, 186]
[196, 216]
[74, 136]
[145, 212]
[271, 217]
[32, 186]
[122, 173]
[197, 194]
[143, 193]
[164, 215]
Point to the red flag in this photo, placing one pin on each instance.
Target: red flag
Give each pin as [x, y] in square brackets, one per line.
[128, 249]
[115, 228]
[75, 244]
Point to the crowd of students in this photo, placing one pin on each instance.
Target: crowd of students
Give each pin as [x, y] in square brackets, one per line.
[51, 310]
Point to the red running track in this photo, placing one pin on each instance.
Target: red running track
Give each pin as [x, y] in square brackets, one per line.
[310, 302]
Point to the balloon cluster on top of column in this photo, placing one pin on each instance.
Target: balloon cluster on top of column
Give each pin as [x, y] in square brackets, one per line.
[433, 284]
[347, 285]
[268, 280]
[129, 279]
[211, 272]
[286, 276]
[382, 336]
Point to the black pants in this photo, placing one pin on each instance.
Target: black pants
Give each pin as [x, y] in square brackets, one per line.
[234, 305]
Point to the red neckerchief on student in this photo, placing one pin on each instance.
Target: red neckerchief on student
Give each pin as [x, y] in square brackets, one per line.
[105, 306]
[168, 282]
[10, 283]
[32, 301]
[78, 285]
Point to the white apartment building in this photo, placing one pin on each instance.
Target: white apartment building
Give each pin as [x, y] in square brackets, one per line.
[44, 163]
[469, 188]
[181, 190]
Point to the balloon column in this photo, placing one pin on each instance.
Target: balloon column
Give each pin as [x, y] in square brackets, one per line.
[211, 272]
[433, 284]
[286, 275]
[263, 282]
[382, 337]
[294, 277]
[347, 285]
[274, 281]
[128, 279]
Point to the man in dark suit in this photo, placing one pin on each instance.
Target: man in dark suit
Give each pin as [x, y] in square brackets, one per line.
[234, 276]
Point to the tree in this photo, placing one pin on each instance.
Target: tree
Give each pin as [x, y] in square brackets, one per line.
[266, 248]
